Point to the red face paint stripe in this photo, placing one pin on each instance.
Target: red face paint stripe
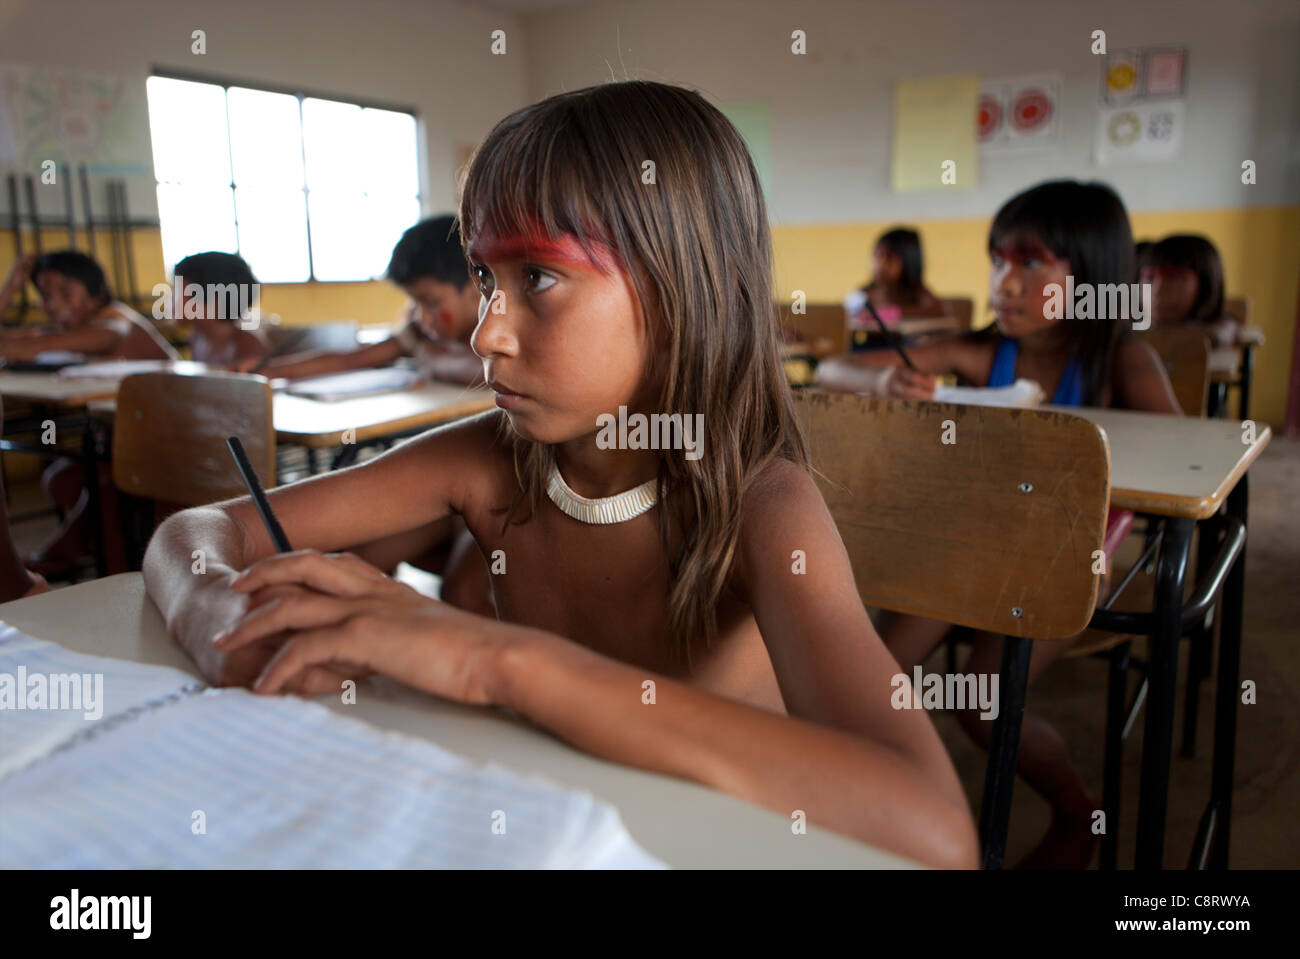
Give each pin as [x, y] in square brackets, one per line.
[566, 251]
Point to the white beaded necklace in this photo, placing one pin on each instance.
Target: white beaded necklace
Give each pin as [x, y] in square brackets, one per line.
[606, 510]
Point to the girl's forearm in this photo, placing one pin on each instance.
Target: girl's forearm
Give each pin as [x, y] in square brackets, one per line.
[841, 781]
[187, 549]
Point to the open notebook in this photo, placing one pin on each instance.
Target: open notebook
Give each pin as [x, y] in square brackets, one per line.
[173, 773]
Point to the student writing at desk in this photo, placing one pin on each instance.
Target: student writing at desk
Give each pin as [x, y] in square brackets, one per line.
[84, 316]
[1039, 237]
[210, 291]
[429, 264]
[649, 609]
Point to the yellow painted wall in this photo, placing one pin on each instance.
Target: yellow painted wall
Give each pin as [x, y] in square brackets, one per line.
[1260, 249]
[297, 304]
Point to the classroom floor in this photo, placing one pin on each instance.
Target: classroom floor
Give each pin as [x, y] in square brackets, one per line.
[1071, 695]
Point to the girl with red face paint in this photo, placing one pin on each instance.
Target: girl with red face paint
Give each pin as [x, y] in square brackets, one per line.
[1186, 278]
[647, 610]
[1052, 232]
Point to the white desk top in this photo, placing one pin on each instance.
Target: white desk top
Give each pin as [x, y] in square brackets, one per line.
[1172, 465]
[681, 823]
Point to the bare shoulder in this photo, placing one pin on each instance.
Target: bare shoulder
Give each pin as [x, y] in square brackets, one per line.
[1139, 380]
[782, 504]
[477, 446]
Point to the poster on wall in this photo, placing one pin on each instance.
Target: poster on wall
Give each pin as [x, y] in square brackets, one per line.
[1142, 111]
[1019, 113]
[72, 117]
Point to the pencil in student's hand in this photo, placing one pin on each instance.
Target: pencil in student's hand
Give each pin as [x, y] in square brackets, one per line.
[889, 336]
[259, 497]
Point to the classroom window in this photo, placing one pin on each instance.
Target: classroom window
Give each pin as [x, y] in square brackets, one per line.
[301, 187]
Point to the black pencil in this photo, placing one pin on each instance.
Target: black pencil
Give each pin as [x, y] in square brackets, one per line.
[259, 497]
[888, 335]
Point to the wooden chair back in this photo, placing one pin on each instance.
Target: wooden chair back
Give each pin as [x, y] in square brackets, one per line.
[995, 530]
[824, 327]
[170, 430]
[961, 309]
[1237, 307]
[1185, 353]
[286, 340]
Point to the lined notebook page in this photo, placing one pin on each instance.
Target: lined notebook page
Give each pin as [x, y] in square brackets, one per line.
[29, 734]
[279, 782]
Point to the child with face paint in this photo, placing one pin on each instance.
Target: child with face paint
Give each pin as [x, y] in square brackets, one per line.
[428, 263]
[614, 571]
[84, 317]
[1186, 278]
[1038, 238]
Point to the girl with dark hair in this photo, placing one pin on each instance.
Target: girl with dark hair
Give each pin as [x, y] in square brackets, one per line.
[84, 316]
[1039, 238]
[1186, 277]
[210, 290]
[630, 569]
[896, 288]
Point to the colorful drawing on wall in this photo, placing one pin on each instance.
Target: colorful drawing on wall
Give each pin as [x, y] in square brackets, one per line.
[1121, 79]
[989, 122]
[1141, 116]
[1019, 112]
[71, 117]
[1142, 132]
[1164, 72]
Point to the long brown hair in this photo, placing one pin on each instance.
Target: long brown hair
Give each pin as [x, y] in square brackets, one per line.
[661, 178]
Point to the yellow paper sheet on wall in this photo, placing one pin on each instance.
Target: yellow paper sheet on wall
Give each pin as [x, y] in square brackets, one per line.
[934, 133]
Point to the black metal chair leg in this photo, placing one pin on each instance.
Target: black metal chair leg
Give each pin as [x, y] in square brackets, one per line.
[1113, 761]
[1200, 651]
[1000, 773]
[1162, 677]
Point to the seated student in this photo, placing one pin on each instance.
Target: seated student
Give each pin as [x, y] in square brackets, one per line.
[614, 568]
[84, 316]
[896, 288]
[1186, 277]
[218, 338]
[1038, 238]
[429, 264]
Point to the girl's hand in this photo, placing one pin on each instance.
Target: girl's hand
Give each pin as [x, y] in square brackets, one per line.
[348, 616]
[908, 384]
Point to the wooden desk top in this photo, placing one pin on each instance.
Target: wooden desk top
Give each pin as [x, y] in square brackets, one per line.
[52, 388]
[1172, 465]
[71, 391]
[683, 824]
[320, 424]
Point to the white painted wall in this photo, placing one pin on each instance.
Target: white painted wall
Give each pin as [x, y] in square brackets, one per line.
[831, 109]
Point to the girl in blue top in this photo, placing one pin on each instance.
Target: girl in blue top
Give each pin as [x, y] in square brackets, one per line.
[1038, 238]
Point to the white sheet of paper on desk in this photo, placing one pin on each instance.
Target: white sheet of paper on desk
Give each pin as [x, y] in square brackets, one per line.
[1020, 393]
[116, 369]
[355, 383]
[279, 782]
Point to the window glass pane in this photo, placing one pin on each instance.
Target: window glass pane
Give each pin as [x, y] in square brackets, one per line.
[352, 236]
[273, 233]
[335, 146]
[265, 139]
[195, 220]
[392, 166]
[187, 123]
